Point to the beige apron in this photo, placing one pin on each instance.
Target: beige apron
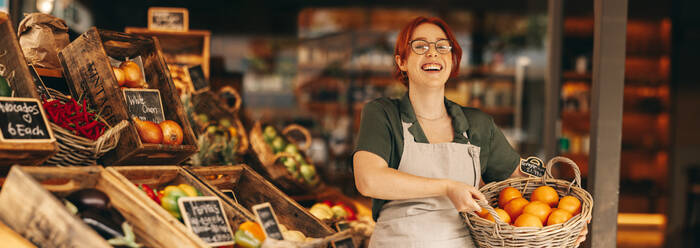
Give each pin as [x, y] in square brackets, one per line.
[433, 221]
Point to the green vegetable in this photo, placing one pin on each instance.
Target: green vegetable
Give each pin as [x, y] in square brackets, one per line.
[5, 88]
[291, 149]
[278, 144]
[246, 239]
[269, 133]
[169, 200]
[299, 158]
[290, 164]
[225, 122]
[308, 172]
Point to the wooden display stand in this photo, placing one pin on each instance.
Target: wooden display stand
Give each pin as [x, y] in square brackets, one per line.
[88, 71]
[160, 176]
[20, 80]
[29, 206]
[183, 48]
[251, 189]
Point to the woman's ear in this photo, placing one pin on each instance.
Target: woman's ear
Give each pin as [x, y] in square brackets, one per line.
[400, 63]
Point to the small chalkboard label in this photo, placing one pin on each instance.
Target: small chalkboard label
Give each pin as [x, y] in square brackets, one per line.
[268, 220]
[144, 104]
[343, 243]
[199, 82]
[230, 194]
[40, 86]
[23, 120]
[204, 215]
[532, 166]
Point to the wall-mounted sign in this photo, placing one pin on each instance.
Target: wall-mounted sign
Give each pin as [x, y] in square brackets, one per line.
[168, 19]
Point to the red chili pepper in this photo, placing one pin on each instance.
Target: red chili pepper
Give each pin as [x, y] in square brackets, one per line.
[149, 192]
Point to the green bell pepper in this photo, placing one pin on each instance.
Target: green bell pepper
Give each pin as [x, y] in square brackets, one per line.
[246, 239]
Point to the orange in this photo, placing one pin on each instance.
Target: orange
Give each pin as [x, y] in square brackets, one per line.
[558, 216]
[515, 207]
[545, 194]
[539, 209]
[571, 204]
[527, 220]
[483, 213]
[506, 195]
[501, 214]
[254, 229]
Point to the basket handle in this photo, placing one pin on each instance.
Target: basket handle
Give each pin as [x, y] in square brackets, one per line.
[560, 159]
[492, 212]
[284, 155]
[237, 105]
[302, 130]
[243, 143]
[109, 134]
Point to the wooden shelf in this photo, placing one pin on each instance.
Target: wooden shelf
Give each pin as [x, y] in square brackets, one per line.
[54, 73]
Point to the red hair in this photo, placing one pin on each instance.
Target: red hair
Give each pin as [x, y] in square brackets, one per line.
[402, 47]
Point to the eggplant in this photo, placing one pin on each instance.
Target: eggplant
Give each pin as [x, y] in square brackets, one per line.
[85, 199]
[104, 226]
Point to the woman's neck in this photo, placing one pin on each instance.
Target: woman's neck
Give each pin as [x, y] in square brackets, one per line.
[428, 103]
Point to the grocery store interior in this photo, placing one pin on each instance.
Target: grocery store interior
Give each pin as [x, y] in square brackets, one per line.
[540, 68]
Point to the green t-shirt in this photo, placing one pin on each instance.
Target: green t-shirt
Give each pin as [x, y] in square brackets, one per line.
[381, 133]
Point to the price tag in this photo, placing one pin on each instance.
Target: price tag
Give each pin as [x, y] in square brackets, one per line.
[144, 104]
[40, 86]
[204, 215]
[199, 82]
[268, 220]
[343, 243]
[532, 166]
[23, 120]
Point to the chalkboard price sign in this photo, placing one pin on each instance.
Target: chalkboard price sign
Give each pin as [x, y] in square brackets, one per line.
[268, 220]
[23, 120]
[204, 215]
[532, 166]
[199, 82]
[343, 243]
[144, 104]
[40, 87]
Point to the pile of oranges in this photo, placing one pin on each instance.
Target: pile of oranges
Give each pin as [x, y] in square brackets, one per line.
[545, 208]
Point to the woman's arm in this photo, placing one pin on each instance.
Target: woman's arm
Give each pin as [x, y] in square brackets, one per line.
[375, 179]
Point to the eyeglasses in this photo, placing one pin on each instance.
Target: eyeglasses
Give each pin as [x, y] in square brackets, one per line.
[421, 47]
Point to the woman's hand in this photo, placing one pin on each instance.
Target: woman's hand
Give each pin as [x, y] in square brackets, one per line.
[463, 196]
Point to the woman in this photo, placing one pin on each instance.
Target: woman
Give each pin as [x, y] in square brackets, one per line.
[421, 158]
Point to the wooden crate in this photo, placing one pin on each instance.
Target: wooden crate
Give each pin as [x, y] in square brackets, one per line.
[158, 177]
[87, 70]
[183, 48]
[28, 205]
[20, 80]
[12, 239]
[251, 189]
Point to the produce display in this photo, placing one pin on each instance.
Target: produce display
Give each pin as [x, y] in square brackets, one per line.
[167, 132]
[129, 75]
[75, 117]
[181, 79]
[297, 165]
[334, 212]
[5, 89]
[545, 208]
[218, 143]
[92, 207]
[168, 196]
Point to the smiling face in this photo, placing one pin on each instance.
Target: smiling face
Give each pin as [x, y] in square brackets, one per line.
[432, 68]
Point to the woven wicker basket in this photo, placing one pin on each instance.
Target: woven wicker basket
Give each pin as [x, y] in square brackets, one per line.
[76, 150]
[269, 160]
[488, 234]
